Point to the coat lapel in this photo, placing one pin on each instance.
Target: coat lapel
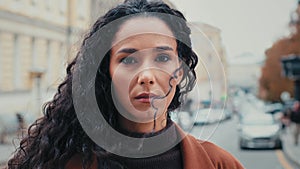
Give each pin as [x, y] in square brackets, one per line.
[193, 154]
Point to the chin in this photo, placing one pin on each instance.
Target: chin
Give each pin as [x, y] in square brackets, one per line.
[144, 116]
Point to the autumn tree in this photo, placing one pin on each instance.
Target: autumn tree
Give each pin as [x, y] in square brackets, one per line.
[272, 83]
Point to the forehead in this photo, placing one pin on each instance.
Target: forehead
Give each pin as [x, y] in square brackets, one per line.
[142, 26]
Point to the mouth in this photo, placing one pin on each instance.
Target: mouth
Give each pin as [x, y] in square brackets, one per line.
[145, 97]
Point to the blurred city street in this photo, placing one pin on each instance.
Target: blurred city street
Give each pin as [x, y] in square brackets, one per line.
[7, 150]
[225, 135]
[249, 64]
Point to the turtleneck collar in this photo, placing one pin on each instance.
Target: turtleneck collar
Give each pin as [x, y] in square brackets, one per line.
[170, 123]
[167, 139]
[140, 145]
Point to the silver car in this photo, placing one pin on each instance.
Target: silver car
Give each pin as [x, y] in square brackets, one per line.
[259, 130]
[211, 115]
[183, 119]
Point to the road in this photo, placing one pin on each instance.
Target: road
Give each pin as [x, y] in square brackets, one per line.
[225, 135]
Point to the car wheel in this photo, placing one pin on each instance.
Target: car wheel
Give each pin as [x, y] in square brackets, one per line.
[241, 145]
[279, 144]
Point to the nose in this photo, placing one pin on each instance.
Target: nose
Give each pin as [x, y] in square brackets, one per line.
[146, 77]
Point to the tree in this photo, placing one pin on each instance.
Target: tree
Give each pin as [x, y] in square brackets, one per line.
[271, 82]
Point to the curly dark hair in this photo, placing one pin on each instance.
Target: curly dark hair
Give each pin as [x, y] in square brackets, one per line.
[53, 139]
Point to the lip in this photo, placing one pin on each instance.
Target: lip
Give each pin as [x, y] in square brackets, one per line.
[145, 97]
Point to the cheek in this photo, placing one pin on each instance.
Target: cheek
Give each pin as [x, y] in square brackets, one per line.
[120, 83]
[116, 77]
[168, 85]
[172, 86]
[120, 93]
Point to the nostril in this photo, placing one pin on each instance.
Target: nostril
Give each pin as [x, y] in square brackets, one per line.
[147, 82]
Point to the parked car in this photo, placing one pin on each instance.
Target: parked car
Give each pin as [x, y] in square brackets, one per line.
[183, 119]
[211, 115]
[273, 108]
[259, 130]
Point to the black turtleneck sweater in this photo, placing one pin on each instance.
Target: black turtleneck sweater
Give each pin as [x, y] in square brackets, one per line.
[170, 159]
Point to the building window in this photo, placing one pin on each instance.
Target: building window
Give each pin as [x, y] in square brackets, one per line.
[81, 6]
[33, 53]
[63, 7]
[50, 62]
[34, 2]
[17, 63]
[1, 66]
[63, 58]
[48, 4]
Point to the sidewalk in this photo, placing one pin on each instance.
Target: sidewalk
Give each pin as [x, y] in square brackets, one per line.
[291, 151]
[7, 149]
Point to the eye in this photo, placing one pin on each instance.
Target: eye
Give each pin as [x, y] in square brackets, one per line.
[162, 58]
[128, 60]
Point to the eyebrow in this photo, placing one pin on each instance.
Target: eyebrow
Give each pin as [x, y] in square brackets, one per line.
[133, 50]
[127, 50]
[162, 48]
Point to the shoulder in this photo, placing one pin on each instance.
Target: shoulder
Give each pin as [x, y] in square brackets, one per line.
[76, 163]
[219, 157]
[216, 153]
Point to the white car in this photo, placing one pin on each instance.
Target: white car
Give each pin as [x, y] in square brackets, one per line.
[211, 115]
[183, 119]
[259, 130]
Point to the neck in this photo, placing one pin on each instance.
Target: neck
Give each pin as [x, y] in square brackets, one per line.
[131, 126]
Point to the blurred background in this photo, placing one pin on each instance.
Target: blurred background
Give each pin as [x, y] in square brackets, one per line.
[249, 70]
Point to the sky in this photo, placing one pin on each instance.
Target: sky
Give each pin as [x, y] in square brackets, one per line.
[248, 27]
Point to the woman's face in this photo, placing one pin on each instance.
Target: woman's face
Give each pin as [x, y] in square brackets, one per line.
[143, 59]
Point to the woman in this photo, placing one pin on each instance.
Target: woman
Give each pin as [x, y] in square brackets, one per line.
[146, 66]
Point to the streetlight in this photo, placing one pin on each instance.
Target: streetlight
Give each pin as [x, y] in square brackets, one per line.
[291, 70]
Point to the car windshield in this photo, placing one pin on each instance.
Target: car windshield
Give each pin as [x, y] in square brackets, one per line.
[258, 120]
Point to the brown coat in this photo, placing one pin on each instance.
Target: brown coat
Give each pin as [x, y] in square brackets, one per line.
[196, 155]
